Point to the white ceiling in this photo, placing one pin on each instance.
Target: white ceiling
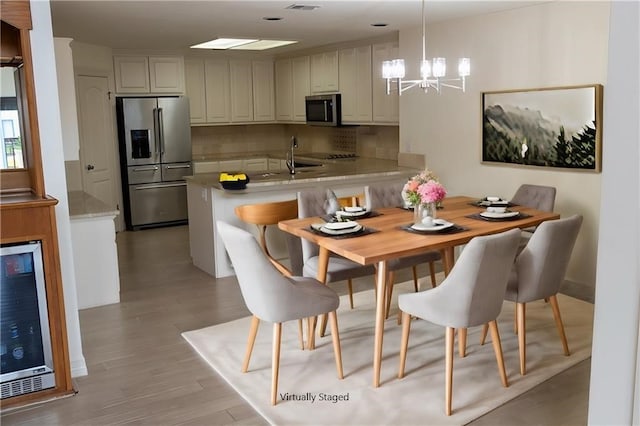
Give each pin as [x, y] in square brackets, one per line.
[171, 25]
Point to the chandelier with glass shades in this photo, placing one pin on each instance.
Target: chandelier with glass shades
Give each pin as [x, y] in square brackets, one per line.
[433, 72]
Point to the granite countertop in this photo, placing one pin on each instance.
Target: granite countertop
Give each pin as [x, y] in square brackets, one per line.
[83, 205]
[359, 168]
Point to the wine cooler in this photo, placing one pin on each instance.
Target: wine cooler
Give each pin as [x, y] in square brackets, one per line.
[25, 342]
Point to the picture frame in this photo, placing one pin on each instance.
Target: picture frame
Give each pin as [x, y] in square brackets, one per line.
[558, 127]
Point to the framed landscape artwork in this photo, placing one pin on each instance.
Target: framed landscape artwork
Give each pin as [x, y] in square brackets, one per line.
[555, 127]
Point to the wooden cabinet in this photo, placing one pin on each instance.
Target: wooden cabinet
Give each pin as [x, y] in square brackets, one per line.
[195, 90]
[241, 84]
[292, 85]
[149, 74]
[355, 82]
[385, 107]
[301, 86]
[263, 91]
[217, 92]
[284, 90]
[324, 72]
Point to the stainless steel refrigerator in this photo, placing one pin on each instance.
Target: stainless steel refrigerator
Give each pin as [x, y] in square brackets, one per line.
[155, 155]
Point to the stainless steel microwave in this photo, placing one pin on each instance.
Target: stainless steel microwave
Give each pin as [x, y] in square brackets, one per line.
[324, 110]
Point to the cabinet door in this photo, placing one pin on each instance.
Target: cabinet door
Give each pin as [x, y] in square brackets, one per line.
[324, 72]
[355, 80]
[274, 165]
[131, 74]
[284, 90]
[231, 165]
[166, 74]
[301, 86]
[241, 90]
[263, 91]
[385, 107]
[195, 90]
[205, 167]
[218, 99]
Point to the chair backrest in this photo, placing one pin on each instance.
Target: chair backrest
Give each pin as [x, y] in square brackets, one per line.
[478, 280]
[265, 214]
[263, 287]
[543, 263]
[315, 203]
[536, 197]
[383, 195]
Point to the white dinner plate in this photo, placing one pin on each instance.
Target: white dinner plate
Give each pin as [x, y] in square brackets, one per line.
[494, 215]
[439, 225]
[354, 209]
[352, 213]
[334, 228]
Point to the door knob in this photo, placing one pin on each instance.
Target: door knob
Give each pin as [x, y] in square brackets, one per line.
[90, 167]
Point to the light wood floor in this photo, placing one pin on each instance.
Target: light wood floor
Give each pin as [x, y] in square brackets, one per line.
[141, 371]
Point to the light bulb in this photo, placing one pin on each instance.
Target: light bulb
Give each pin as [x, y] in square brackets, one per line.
[425, 69]
[464, 67]
[439, 68]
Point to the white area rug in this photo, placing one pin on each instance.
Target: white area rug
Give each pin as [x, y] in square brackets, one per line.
[418, 398]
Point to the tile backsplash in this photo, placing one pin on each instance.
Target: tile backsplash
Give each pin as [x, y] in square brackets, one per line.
[366, 141]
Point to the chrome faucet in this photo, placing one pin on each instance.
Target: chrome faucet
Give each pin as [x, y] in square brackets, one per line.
[291, 163]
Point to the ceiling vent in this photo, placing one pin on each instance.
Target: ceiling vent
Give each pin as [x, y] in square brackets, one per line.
[301, 7]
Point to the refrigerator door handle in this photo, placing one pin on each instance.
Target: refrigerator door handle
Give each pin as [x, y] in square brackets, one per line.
[164, 185]
[184, 166]
[161, 130]
[145, 169]
[156, 125]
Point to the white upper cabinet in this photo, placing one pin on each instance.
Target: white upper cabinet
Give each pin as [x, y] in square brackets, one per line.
[284, 90]
[149, 74]
[195, 90]
[263, 91]
[355, 83]
[324, 72]
[385, 107]
[301, 86]
[240, 78]
[166, 74]
[218, 95]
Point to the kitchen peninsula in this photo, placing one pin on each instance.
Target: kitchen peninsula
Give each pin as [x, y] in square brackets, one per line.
[208, 201]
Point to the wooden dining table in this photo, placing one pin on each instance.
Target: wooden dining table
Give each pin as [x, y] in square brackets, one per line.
[388, 239]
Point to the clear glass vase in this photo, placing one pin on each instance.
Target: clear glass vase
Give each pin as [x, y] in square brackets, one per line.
[424, 210]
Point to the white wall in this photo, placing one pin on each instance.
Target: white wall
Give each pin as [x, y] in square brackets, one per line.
[49, 123]
[547, 45]
[67, 91]
[616, 355]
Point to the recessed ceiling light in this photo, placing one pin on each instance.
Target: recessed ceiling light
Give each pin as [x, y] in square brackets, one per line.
[379, 24]
[272, 18]
[223, 43]
[301, 7]
[263, 45]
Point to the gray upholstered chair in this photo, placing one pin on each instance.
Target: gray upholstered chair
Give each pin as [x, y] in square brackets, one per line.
[536, 197]
[273, 297]
[319, 203]
[390, 195]
[471, 295]
[539, 272]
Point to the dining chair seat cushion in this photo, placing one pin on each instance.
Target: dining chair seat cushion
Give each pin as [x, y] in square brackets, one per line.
[473, 292]
[338, 269]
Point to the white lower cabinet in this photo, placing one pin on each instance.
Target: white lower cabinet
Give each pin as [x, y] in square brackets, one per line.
[255, 164]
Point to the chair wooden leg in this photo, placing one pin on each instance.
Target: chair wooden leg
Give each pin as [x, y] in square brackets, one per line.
[335, 336]
[350, 286]
[275, 361]
[432, 272]
[311, 334]
[253, 331]
[300, 334]
[462, 342]
[483, 337]
[414, 270]
[406, 326]
[522, 336]
[323, 325]
[390, 283]
[497, 348]
[553, 301]
[448, 386]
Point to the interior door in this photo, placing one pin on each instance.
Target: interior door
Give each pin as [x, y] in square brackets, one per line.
[97, 139]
